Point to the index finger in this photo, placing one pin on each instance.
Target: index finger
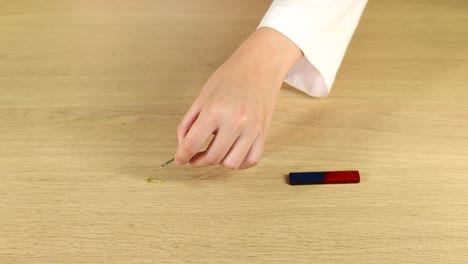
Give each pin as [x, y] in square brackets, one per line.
[197, 135]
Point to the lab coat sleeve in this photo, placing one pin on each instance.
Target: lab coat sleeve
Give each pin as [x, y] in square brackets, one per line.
[322, 29]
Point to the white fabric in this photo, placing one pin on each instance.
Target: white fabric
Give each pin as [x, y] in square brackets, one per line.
[322, 29]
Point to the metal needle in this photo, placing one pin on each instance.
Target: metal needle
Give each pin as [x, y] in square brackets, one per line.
[166, 163]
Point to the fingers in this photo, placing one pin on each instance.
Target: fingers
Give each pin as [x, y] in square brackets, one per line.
[255, 153]
[238, 152]
[217, 149]
[227, 147]
[197, 135]
[187, 122]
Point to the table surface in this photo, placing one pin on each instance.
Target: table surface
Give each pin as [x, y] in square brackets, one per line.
[92, 92]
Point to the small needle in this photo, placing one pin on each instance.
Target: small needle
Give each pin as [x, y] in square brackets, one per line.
[166, 163]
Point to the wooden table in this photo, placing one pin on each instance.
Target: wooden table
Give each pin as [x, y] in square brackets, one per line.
[91, 93]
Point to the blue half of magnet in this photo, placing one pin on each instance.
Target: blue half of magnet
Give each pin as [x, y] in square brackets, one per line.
[299, 178]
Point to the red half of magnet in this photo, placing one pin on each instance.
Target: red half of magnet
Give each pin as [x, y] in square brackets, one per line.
[341, 177]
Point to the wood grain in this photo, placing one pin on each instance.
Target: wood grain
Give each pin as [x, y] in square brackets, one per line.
[92, 92]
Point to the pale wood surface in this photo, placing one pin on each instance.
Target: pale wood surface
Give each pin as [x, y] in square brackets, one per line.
[91, 93]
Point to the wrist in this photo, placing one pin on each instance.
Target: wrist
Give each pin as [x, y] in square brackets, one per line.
[267, 51]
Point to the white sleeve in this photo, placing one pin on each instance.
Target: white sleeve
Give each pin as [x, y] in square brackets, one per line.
[322, 29]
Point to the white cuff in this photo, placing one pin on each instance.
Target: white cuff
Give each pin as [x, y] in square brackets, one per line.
[322, 29]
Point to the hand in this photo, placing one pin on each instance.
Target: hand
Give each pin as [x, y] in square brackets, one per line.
[236, 104]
